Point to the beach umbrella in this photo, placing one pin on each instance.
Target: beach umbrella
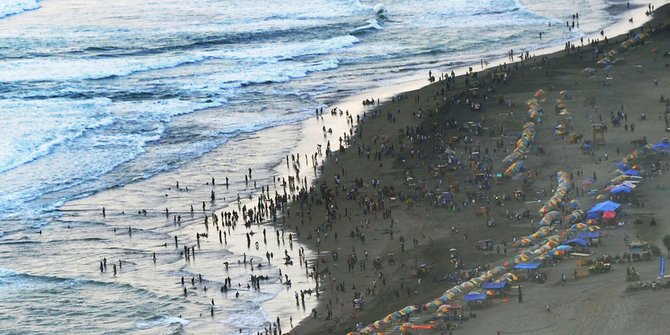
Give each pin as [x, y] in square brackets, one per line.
[587, 181]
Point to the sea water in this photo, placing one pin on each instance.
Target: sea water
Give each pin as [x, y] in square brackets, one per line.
[97, 95]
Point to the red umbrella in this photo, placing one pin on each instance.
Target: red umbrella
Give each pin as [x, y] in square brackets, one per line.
[608, 215]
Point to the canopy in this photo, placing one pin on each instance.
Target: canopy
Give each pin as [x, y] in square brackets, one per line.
[564, 248]
[631, 172]
[662, 146]
[622, 166]
[527, 266]
[621, 188]
[605, 206]
[588, 234]
[494, 285]
[609, 215]
[474, 296]
[577, 241]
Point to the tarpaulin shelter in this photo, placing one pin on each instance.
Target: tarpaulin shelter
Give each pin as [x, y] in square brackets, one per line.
[605, 206]
[495, 286]
[621, 189]
[631, 172]
[662, 146]
[527, 266]
[564, 248]
[588, 234]
[577, 241]
[474, 296]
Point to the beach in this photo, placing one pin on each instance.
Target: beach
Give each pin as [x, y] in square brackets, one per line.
[247, 212]
[595, 304]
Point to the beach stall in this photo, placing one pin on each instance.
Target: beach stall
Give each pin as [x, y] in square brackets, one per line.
[477, 299]
[578, 244]
[596, 211]
[592, 236]
[497, 289]
[529, 271]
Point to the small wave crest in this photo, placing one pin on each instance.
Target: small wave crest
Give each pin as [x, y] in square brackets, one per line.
[159, 321]
[372, 24]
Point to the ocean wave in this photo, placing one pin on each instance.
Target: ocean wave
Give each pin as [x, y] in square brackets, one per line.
[61, 69]
[13, 7]
[60, 121]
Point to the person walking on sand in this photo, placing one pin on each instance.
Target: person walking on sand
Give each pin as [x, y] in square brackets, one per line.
[548, 309]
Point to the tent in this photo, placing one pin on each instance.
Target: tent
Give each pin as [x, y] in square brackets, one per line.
[662, 146]
[495, 286]
[527, 266]
[605, 206]
[474, 296]
[622, 166]
[609, 215]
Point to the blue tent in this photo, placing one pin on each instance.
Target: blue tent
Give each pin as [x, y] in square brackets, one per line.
[527, 266]
[631, 172]
[588, 234]
[495, 286]
[577, 241]
[622, 166]
[593, 215]
[621, 188]
[474, 296]
[662, 146]
[605, 206]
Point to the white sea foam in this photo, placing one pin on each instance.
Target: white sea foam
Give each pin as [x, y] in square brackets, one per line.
[161, 321]
[13, 7]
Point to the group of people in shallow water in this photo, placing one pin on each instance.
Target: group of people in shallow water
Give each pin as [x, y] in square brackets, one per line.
[267, 208]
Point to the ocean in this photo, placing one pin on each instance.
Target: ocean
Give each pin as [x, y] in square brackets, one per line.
[98, 97]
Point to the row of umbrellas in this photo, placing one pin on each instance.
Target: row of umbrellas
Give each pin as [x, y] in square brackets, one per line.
[564, 186]
[441, 304]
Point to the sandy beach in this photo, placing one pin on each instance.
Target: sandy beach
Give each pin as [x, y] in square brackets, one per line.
[383, 188]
